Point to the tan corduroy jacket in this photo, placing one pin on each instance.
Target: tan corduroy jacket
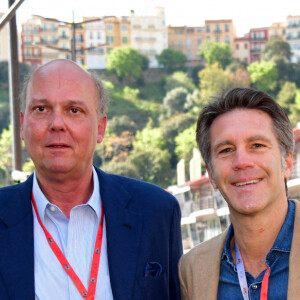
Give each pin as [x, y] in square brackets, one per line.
[199, 269]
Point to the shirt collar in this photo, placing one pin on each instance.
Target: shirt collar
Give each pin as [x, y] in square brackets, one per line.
[283, 241]
[42, 202]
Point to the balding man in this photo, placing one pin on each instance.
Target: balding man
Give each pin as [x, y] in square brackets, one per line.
[72, 231]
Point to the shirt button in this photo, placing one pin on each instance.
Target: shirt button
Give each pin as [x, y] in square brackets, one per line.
[254, 286]
[52, 208]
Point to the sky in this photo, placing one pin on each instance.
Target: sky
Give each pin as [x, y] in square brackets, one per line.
[245, 14]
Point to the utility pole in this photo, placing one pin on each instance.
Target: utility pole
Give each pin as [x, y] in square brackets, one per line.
[14, 91]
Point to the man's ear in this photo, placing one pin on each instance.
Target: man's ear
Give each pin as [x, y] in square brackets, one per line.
[22, 120]
[288, 165]
[101, 128]
[211, 178]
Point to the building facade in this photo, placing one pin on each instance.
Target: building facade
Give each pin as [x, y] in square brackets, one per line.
[258, 39]
[95, 44]
[293, 37]
[186, 40]
[220, 31]
[4, 42]
[149, 35]
[277, 31]
[241, 49]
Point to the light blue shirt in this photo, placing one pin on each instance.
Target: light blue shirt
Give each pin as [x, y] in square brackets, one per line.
[76, 239]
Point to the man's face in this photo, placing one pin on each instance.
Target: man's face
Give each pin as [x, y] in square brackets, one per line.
[60, 125]
[246, 161]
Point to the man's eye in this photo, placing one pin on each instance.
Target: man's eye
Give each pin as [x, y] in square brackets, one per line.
[258, 145]
[226, 150]
[40, 108]
[75, 110]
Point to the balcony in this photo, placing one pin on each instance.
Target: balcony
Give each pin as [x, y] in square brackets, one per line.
[293, 37]
[217, 31]
[293, 25]
[145, 39]
[258, 39]
[255, 51]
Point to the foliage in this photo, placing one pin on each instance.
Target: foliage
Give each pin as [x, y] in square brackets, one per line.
[172, 60]
[28, 166]
[150, 156]
[276, 49]
[172, 127]
[175, 101]
[6, 153]
[115, 147]
[130, 93]
[185, 141]
[213, 81]
[126, 62]
[263, 75]
[179, 79]
[240, 78]
[123, 168]
[215, 53]
[122, 123]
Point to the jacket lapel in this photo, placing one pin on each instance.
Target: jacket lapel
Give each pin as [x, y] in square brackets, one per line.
[124, 229]
[294, 262]
[16, 240]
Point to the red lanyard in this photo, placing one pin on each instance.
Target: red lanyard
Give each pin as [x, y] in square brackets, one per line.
[90, 294]
[243, 280]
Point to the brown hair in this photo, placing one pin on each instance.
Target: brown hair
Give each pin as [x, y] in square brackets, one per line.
[247, 98]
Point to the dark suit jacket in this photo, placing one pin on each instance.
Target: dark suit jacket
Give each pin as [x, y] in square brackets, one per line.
[142, 223]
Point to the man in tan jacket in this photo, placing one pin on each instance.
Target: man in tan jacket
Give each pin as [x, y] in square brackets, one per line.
[247, 142]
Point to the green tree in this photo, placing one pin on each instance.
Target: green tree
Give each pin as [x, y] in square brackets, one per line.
[150, 156]
[275, 50]
[6, 154]
[122, 123]
[213, 80]
[179, 79]
[215, 53]
[126, 62]
[123, 168]
[172, 60]
[263, 75]
[175, 101]
[185, 141]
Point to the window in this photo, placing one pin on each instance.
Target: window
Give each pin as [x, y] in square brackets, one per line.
[53, 39]
[199, 30]
[45, 39]
[208, 38]
[109, 27]
[217, 39]
[217, 28]
[91, 35]
[44, 27]
[178, 31]
[180, 46]
[245, 46]
[188, 43]
[27, 29]
[207, 28]
[227, 39]
[237, 46]
[109, 39]
[199, 42]
[98, 35]
[226, 27]
[35, 29]
[53, 27]
[124, 27]
[124, 39]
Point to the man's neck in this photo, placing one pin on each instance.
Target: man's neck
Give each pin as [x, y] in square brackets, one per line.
[255, 236]
[67, 193]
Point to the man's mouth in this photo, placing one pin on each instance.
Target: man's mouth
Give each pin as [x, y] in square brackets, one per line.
[247, 182]
[58, 146]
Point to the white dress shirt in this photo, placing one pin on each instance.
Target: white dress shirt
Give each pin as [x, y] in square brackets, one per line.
[76, 239]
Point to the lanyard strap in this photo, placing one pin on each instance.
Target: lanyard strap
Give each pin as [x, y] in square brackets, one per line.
[243, 280]
[90, 294]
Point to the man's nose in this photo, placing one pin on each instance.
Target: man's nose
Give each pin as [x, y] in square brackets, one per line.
[57, 121]
[242, 159]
